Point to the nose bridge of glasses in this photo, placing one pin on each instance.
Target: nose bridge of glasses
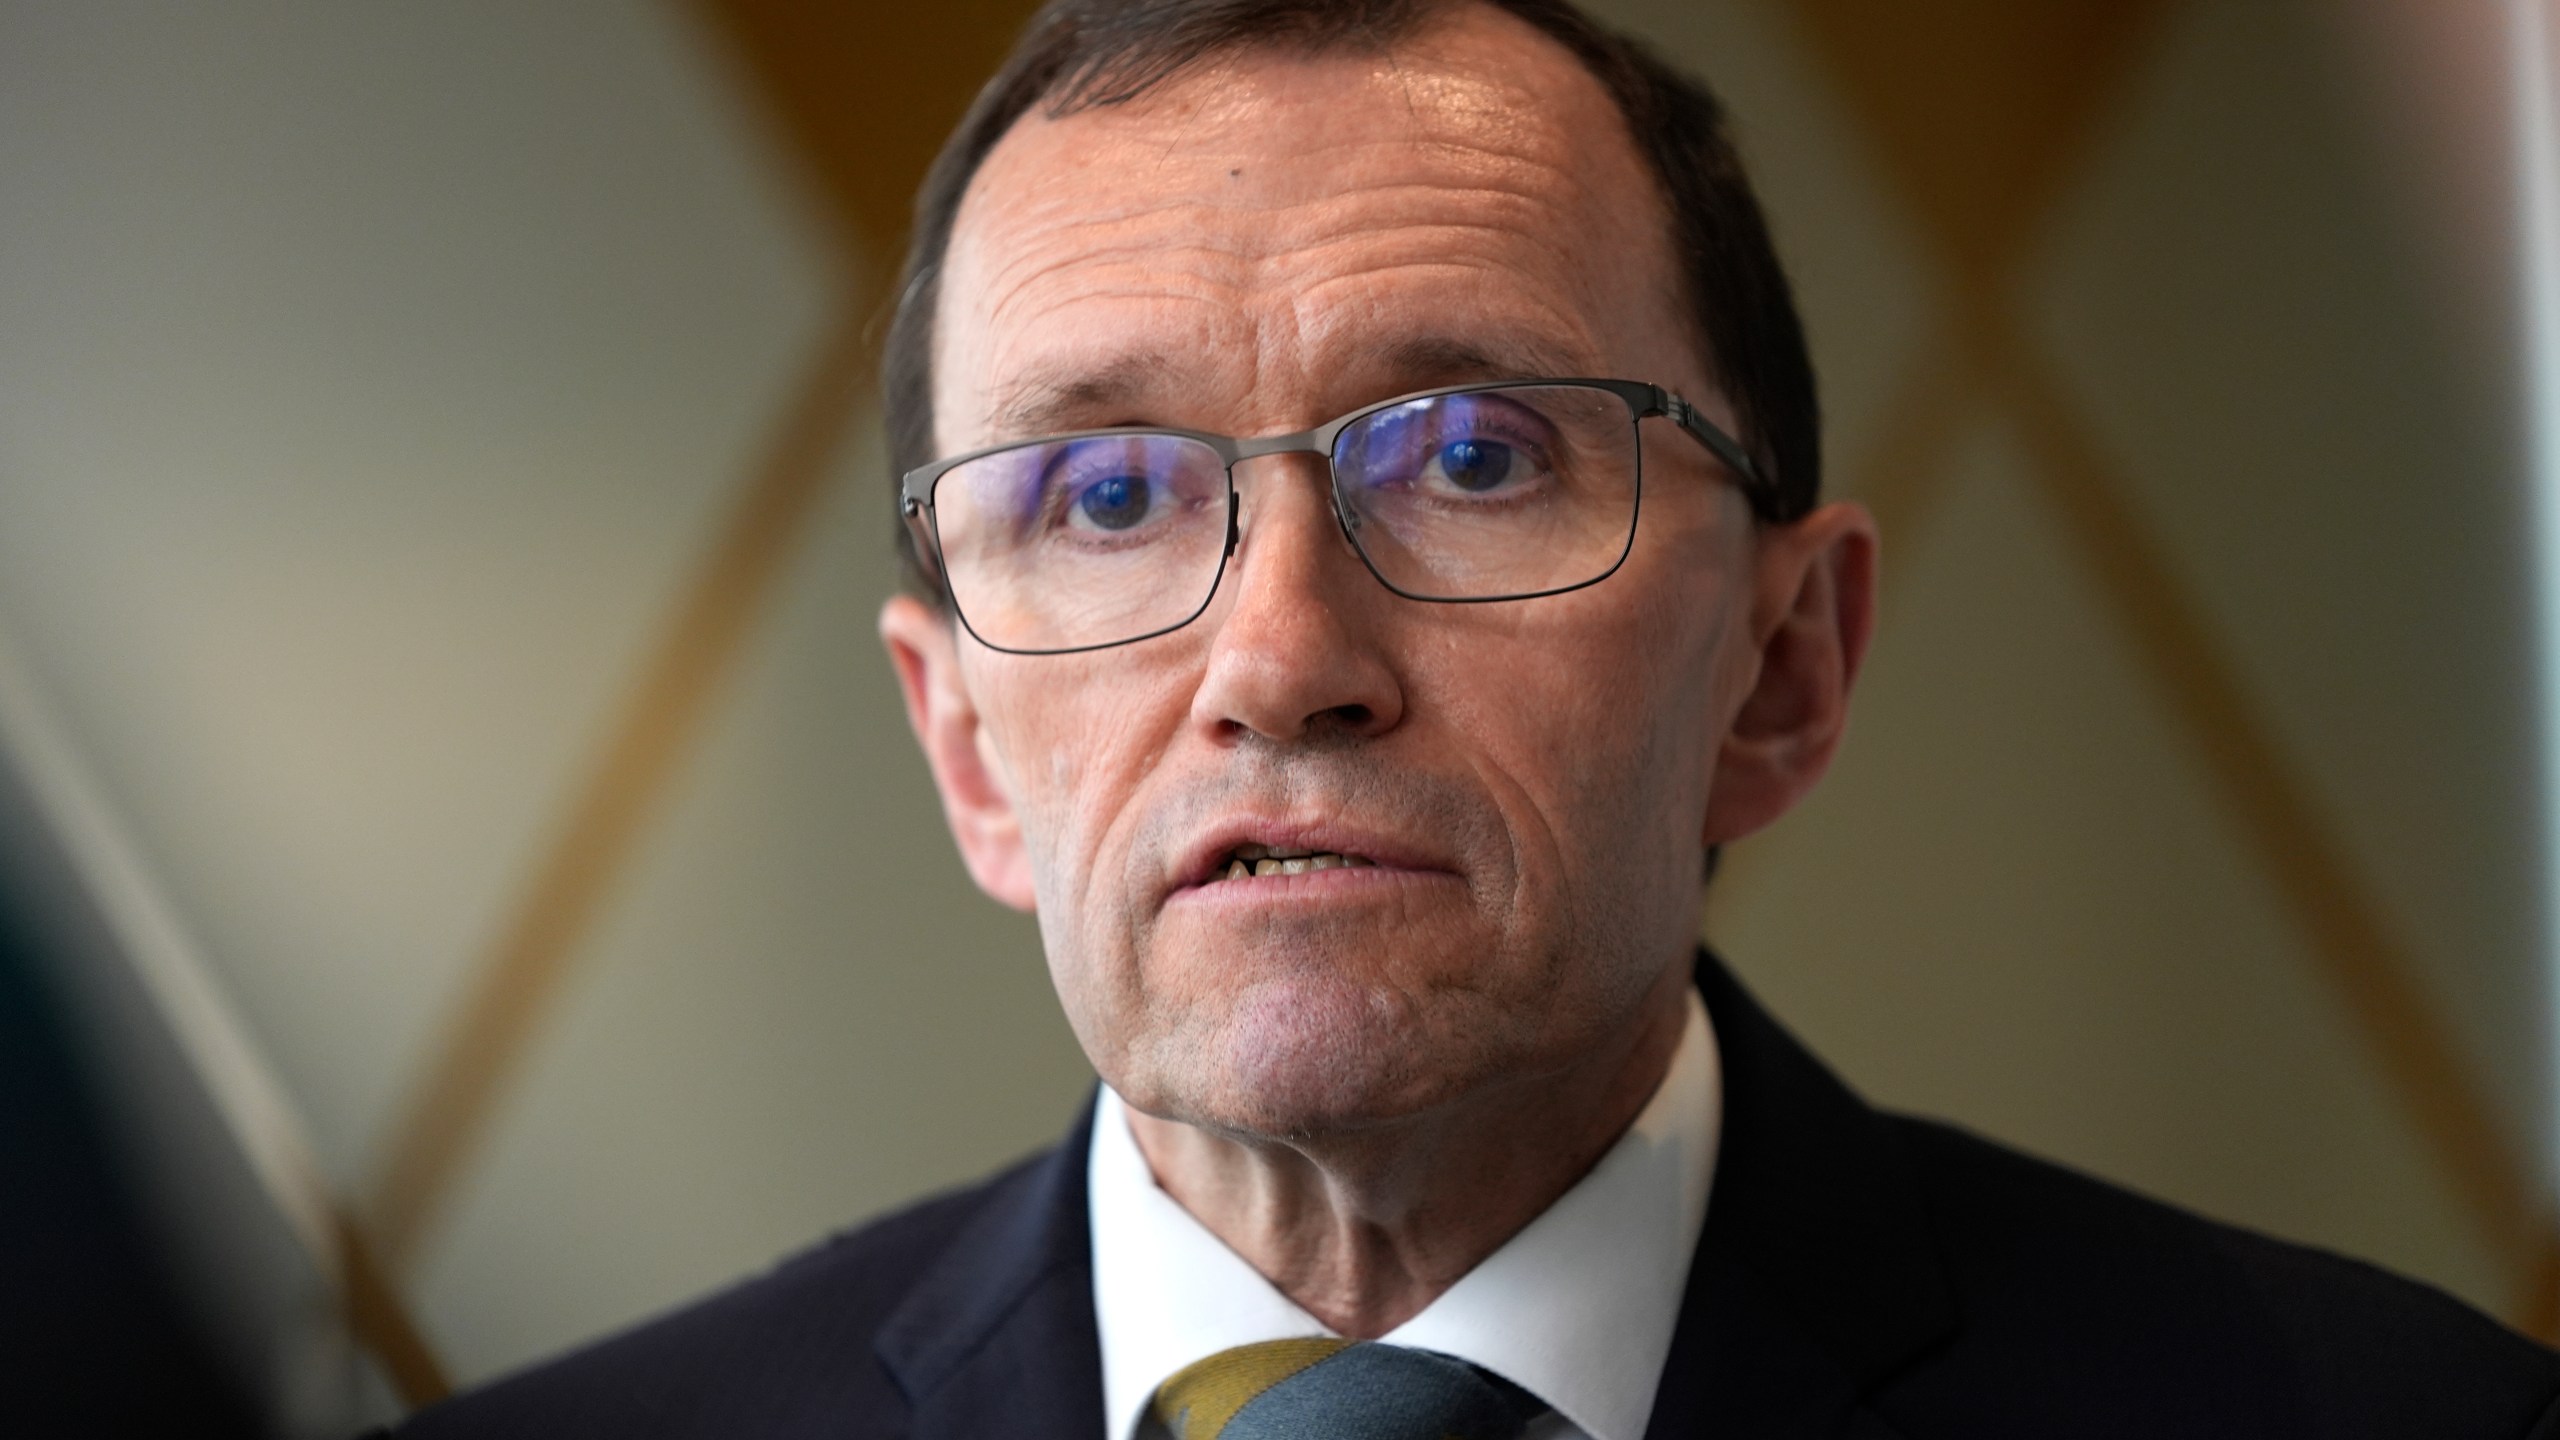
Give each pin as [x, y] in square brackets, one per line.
[1318, 466]
[1304, 442]
[1316, 443]
[1279, 449]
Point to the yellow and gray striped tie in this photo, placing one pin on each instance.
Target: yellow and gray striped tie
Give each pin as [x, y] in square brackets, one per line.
[1340, 1390]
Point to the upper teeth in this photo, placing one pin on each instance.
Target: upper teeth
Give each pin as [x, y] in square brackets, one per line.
[1282, 860]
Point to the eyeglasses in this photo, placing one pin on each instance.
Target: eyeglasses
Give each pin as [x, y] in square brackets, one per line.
[1462, 495]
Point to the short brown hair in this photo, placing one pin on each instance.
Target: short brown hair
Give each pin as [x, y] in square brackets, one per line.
[1079, 54]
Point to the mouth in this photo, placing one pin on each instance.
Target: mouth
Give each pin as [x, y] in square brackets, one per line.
[1266, 850]
[1253, 861]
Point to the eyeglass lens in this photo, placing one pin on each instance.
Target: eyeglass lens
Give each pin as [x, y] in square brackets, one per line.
[1483, 494]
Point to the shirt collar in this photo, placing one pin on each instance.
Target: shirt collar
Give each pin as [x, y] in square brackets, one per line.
[1578, 1308]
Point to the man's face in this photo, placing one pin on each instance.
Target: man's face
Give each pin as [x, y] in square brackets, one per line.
[1257, 248]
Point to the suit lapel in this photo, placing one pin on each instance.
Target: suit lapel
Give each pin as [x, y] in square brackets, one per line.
[998, 1337]
[1817, 1278]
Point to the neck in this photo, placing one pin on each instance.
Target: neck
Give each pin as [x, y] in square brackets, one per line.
[1363, 1230]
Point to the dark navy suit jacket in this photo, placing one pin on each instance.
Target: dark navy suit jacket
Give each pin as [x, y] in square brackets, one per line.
[1861, 1275]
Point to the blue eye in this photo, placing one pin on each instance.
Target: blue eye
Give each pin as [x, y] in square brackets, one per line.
[1475, 465]
[1116, 502]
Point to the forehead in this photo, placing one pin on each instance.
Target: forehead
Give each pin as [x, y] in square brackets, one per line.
[1271, 234]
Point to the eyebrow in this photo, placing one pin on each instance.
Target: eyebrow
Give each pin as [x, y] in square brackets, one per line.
[1422, 361]
[1051, 399]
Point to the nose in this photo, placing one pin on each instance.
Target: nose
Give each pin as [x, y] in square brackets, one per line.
[1297, 651]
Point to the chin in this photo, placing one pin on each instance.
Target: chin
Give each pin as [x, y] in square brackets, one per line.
[1304, 1057]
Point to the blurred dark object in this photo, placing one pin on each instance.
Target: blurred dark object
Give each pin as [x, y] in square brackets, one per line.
[95, 1338]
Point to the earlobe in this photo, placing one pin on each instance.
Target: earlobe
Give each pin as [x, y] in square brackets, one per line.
[1813, 609]
[923, 649]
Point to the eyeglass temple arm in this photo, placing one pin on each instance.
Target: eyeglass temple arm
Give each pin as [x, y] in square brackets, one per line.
[1724, 447]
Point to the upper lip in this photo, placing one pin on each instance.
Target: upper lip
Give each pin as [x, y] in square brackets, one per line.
[1205, 859]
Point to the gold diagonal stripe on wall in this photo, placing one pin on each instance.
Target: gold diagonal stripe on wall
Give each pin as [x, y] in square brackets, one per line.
[860, 100]
[1900, 476]
[520, 977]
[250, 1106]
[861, 96]
[382, 1324]
[2350, 937]
[1979, 111]
[1909, 465]
[2346, 933]
[2536, 1308]
[1980, 235]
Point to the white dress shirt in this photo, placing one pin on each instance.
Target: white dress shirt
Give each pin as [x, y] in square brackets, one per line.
[1577, 1308]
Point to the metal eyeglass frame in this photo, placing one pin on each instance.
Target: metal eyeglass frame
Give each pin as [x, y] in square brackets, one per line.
[1644, 402]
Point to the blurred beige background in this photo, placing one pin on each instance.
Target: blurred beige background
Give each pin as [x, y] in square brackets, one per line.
[443, 528]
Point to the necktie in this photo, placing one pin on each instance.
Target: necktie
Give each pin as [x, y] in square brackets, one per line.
[1340, 1390]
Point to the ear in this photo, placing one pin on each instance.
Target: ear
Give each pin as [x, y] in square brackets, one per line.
[1813, 608]
[923, 646]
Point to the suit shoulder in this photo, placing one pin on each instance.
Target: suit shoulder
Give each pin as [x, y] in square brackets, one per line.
[2066, 1271]
[785, 1353]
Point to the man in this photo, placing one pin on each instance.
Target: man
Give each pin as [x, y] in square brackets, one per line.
[1362, 772]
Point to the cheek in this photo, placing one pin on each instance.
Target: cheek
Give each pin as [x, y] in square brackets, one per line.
[1076, 739]
[1073, 749]
[1596, 726]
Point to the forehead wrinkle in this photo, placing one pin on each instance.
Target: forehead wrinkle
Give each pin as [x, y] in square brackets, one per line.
[1334, 337]
[1063, 220]
[1329, 331]
[1025, 305]
[1505, 196]
[1265, 230]
[1038, 321]
[1317, 177]
[1045, 271]
[1531, 342]
[1425, 247]
[1240, 260]
[1426, 256]
[1510, 221]
[1166, 235]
